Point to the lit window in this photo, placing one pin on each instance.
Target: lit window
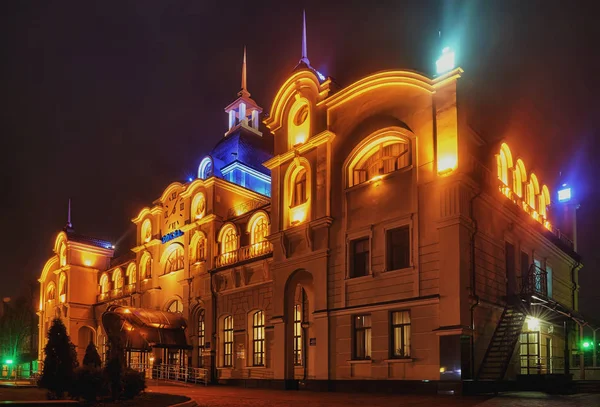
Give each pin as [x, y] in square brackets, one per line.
[51, 292]
[132, 273]
[104, 284]
[382, 156]
[398, 248]
[532, 190]
[175, 259]
[198, 246]
[62, 284]
[201, 337]
[146, 266]
[117, 278]
[362, 337]
[228, 341]
[400, 338]
[519, 177]
[299, 194]
[175, 306]
[260, 229]
[63, 254]
[146, 231]
[504, 163]
[544, 201]
[298, 122]
[229, 240]
[205, 170]
[258, 339]
[297, 335]
[359, 257]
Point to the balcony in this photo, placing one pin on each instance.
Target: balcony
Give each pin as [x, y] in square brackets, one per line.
[244, 253]
[535, 282]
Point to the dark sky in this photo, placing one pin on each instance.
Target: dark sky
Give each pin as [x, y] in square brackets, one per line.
[107, 102]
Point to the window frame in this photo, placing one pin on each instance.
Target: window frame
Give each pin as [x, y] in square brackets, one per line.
[403, 341]
[227, 346]
[298, 335]
[389, 229]
[201, 336]
[352, 255]
[366, 332]
[258, 338]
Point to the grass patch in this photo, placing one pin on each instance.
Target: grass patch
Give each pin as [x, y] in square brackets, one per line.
[145, 399]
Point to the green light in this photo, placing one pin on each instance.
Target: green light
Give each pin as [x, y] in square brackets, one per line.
[587, 345]
[9, 361]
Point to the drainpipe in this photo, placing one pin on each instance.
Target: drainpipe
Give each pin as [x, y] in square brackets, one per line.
[213, 352]
[473, 282]
[574, 287]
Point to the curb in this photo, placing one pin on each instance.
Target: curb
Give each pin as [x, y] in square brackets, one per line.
[189, 403]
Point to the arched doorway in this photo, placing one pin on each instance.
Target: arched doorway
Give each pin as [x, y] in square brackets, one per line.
[300, 333]
[85, 335]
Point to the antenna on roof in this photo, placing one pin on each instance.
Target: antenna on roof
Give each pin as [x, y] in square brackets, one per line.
[69, 224]
[304, 51]
[244, 92]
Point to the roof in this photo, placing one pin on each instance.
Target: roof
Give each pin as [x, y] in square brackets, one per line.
[141, 328]
[92, 241]
[244, 146]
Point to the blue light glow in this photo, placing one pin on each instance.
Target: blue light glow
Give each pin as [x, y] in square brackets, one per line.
[170, 236]
[446, 61]
[564, 195]
[321, 76]
[189, 179]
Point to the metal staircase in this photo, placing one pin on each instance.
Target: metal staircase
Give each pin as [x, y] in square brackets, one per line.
[501, 348]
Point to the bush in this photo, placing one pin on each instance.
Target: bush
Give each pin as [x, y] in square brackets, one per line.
[92, 358]
[134, 383]
[89, 384]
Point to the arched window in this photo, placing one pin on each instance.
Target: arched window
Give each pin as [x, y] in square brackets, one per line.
[259, 229]
[297, 192]
[504, 164]
[132, 273]
[544, 201]
[258, 338]
[104, 284]
[198, 206]
[229, 239]
[175, 259]
[50, 292]
[117, 279]
[175, 306]
[62, 287]
[201, 337]
[519, 177]
[205, 170]
[533, 189]
[63, 254]
[146, 266]
[198, 248]
[298, 335]
[227, 335]
[146, 231]
[298, 122]
[384, 154]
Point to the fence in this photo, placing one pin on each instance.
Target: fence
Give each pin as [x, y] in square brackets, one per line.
[173, 373]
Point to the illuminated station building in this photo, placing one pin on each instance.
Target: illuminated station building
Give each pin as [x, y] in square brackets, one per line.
[354, 234]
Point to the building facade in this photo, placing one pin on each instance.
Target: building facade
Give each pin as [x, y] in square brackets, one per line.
[356, 233]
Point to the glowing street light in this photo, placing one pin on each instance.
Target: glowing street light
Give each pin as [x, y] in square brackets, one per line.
[8, 361]
[564, 194]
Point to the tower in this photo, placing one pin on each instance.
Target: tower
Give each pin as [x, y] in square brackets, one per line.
[243, 112]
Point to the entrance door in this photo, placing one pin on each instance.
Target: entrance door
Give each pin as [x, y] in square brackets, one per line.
[548, 355]
[530, 352]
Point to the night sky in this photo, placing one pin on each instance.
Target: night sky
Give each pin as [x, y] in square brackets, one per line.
[107, 102]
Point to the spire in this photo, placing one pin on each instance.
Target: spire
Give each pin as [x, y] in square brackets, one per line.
[304, 51]
[244, 92]
[69, 226]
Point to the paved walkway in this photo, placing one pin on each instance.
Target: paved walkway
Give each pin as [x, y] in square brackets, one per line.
[229, 396]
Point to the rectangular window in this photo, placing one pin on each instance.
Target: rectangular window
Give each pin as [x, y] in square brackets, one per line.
[297, 335]
[258, 339]
[201, 338]
[549, 279]
[524, 267]
[398, 248]
[362, 337]
[228, 341]
[359, 257]
[400, 338]
[511, 276]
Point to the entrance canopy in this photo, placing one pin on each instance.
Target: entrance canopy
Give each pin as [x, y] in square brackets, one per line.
[143, 329]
